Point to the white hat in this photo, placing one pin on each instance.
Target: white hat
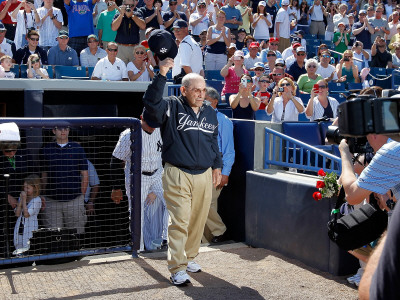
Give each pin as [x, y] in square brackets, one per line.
[285, 2]
[262, 3]
[9, 132]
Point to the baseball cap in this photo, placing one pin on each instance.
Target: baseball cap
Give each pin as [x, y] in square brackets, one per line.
[201, 3]
[259, 65]
[63, 33]
[262, 3]
[254, 45]
[295, 45]
[148, 30]
[180, 24]
[2, 27]
[238, 53]
[296, 40]
[162, 44]
[362, 11]
[341, 23]
[232, 45]
[273, 39]
[350, 15]
[9, 132]
[285, 2]
[172, 1]
[300, 49]
[92, 36]
[280, 61]
[242, 30]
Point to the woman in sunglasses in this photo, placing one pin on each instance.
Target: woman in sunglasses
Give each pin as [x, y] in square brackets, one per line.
[320, 105]
[34, 68]
[244, 104]
[140, 69]
[306, 81]
[346, 67]
[284, 105]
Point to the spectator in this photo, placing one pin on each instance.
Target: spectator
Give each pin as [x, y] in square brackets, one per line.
[80, 22]
[151, 14]
[289, 51]
[231, 50]
[292, 58]
[299, 66]
[275, 76]
[233, 16]
[320, 105]
[127, 23]
[302, 21]
[110, 67]
[22, 54]
[363, 30]
[187, 60]
[244, 104]
[273, 45]
[232, 73]
[200, 20]
[390, 7]
[93, 53]
[272, 9]
[317, 12]
[99, 7]
[285, 107]
[360, 53]
[247, 41]
[247, 18]
[341, 39]
[326, 70]
[370, 13]
[64, 198]
[294, 11]
[62, 54]
[306, 81]
[395, 40]
[282, 26]
[262, 93]
[172, 15]
[27, 211]
[182, 7]
[341, 17]
[271, 59]
[26, 19]
[6, 8]
[253, 56]
[261, 23]
[379, 24]
[259, 71]
[5, 67]
[370, 3]
[203, 42]
[7, 47]
[140, 69]
[396, 57]
[393, 26]
[51, 20]
[330, 26]
[34, 68]
[106, 34]
[381, 58]
[240, 44]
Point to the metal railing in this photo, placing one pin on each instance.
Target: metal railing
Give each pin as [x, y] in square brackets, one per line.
[284, 151]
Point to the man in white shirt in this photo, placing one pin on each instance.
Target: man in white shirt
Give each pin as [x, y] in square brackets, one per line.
[51, 20]
[317, 18]
[93, 53]
[282, 26]
[189, 58]
[200, 20]
[252, 57]
[110, 67]
[327, 71]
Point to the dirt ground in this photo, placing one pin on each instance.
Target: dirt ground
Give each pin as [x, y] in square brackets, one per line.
[231, 271]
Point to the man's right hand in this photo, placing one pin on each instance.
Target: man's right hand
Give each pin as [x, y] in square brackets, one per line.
[165, 65]
[116, 196]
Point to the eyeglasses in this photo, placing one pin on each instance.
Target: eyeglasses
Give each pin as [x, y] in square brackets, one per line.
[112, 49]
[301, 54]
[285, 84]
[277, 74]
[35, 61]
[273, 44]
[322, 86]
[34, 39]
[261, 70]
[139, 52]
[379, 11]
[202, 6]
[322, 48]
[269, 55]
[248, 80]
[63, 37]
[10, 150]
[312, 66]
[326, 56]
[348, 56]
[93, 41]
[263, 81]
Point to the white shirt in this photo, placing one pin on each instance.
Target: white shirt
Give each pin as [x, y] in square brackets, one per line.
[339, 18]
[317, 14]
[203, 24]
[22, 25]
[249, 61]
[6, 48]
[190, 55]
[261, 31]
[282, 17]
[99, 8]
[327, 72]
[318, 110]
[48, 31]
[108, 71]
[288, 52]
[145, 75]
[291, 112]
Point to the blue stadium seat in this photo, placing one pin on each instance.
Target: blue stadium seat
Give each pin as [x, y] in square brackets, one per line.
[338, 96]
[305, 98]
[354, 86]
[226, 111]
[15, 70]
[169, 76]
[174, 90]
[23, 69]
[310, 36]
[262, 115]
[216, 84]
[395, 79]
[90, 71]
[312, 43]
[48, 68]
[307, 132]
[380, 73]
[68, 72]
[337, 87]
[213, 75]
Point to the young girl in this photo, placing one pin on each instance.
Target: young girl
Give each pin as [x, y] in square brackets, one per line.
[34, 68]
[28, 208]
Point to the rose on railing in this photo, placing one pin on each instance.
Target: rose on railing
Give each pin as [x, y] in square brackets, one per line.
[327, 186]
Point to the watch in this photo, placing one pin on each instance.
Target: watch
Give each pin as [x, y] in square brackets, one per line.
[52, 17]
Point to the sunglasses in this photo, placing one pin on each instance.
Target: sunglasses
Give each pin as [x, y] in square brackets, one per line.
[248, 80]
[263, 81]
[139, 53]
[10, 150]
[35, 61]
[285, 84]
[63, 37]
[202, 6]
[112, 49]
[259, 69]
[348, 57]
[269, 55]
[312, 66]
[277, 74]
[322, 86]
[326, 56]
[34, 39]
[301, 54]
[273, 44]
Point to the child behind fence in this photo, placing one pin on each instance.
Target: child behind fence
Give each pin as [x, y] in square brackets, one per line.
[27, 210]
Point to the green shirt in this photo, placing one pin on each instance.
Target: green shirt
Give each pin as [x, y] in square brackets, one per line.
[246, 18]
[341, 47]
[104, 23]
[306, 84]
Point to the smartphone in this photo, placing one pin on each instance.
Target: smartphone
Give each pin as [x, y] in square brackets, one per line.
[316, 88]
[243, 81]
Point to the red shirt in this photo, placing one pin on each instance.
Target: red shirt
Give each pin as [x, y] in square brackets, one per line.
[7, 18]
[264, 95]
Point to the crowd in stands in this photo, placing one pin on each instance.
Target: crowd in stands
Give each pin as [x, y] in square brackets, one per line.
[309, 40]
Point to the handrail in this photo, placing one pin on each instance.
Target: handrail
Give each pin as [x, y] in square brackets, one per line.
[287, 145]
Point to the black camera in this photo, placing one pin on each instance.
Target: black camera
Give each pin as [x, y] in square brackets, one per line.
[346, 59]
[356, 145]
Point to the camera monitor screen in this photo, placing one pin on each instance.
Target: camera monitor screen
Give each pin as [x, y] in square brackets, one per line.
[390, 115]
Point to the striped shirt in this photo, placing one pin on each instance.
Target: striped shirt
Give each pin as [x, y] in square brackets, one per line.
[318, 110]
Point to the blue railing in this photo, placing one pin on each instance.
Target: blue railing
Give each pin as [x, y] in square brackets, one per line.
[291, 153]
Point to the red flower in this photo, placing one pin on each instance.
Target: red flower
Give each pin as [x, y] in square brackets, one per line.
[320, 184]
[321, 173]
[317, 196]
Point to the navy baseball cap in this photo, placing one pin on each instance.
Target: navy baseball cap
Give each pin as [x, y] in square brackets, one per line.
[147, 119]
[162, 44]
[180, 24]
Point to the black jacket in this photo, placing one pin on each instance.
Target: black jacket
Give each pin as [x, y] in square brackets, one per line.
[189, 142]
[22, 55]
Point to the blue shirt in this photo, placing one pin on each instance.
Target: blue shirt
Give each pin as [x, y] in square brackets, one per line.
[364, 36]
[225, 142]
[68, 57]
[63, 166]
[230, 13]
[264, 54]
[80, 19]
[296, 71]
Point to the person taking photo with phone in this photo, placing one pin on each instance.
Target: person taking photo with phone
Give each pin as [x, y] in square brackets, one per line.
[320, 105]
[244, 104]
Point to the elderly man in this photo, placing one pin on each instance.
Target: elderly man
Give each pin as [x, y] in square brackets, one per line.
[62, 54]
[253, 56]
[127, 24]
[189, 129]
[214, 222]
[110, 67]
[7, 47]
[51, 20]
[93, 53]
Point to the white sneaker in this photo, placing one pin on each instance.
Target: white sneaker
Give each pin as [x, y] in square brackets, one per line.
[180, 278]
[193, 267]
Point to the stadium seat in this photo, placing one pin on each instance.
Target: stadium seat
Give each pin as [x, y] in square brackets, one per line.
[90, 71]
[48, 68]
[262, 115]
[337, 87]
[216, 84]
[380, 73]
[354, 86]
[213, 75]
[174, 90]
[169, 76]
[340, 97]
[15, 70]
[305, 98]
[70, 72]
[310, 36]
[226, 111]
[395, 79]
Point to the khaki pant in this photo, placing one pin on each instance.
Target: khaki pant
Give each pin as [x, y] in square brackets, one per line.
[283, 44]
[214, 224]
[317, 27]
[125, 53]
[188, 199]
